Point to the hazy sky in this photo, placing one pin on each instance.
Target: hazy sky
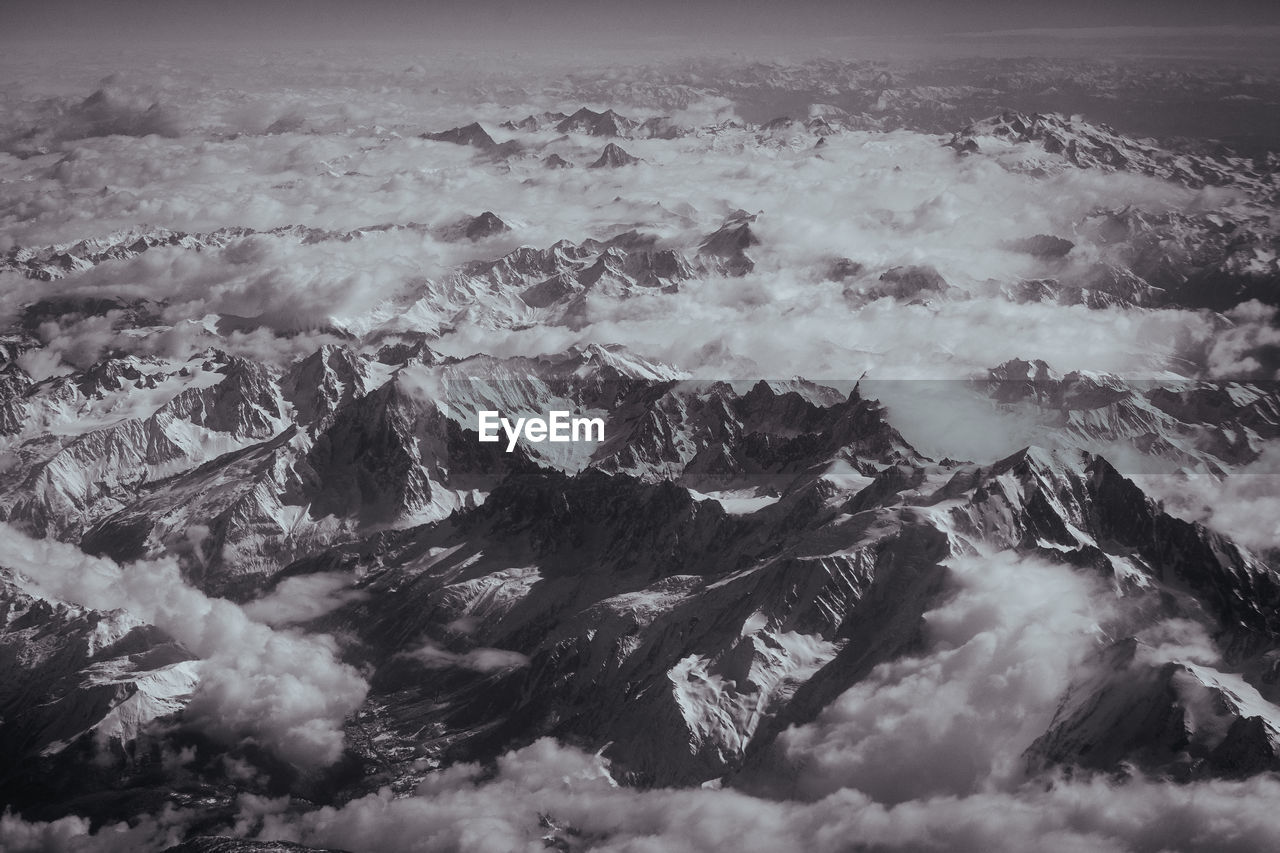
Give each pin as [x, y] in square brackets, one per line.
[523, 19]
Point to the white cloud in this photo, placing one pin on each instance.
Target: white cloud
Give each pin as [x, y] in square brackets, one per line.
[1234, 351]
[956, 720]
[880, 199]
[303, 598]
[286, 690]
[461, 809]
[432, 655]
[923, 755]
[1244, 506]
[72, 835]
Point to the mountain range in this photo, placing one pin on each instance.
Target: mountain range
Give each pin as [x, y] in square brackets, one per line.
[732, 561]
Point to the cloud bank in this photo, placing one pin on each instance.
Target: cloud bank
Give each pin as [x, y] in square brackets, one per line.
[926, 754]
[285, 690]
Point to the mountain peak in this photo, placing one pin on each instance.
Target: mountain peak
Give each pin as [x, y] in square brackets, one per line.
[471, 134]
[486, 224]
[728, 245]
[612, 157]
[607, 123]
[1072, 141]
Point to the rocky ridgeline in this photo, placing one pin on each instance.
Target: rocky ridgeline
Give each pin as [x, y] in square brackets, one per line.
[1078, 143]
[727, 562]
[1213, 260]
[48, 263]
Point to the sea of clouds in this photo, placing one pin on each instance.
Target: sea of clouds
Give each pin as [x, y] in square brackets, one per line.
[926, 754]
[283, 689]
[348, 157]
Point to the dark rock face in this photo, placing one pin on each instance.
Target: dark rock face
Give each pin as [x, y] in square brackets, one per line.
[485, 225]
[598, 654]
[472, 134]
[68, 672]
[1199, 261]
[370, 461]
[14, 381]
[613, 157]
[1173, 719]
[909, 283]
[592, 531]
[323, 382]
[1243, 592]
[726, 249]
[247, 402]
[594, 520]
[223, 497]
[1044, 246]
[607, 123]
[843, 269]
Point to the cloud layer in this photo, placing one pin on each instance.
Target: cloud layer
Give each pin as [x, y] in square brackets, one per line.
[285, 690]
[928, 752]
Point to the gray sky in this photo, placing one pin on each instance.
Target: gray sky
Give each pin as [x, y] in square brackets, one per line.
[616, 19]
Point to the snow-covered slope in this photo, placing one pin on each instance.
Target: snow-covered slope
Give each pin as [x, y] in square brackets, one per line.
[288, 418]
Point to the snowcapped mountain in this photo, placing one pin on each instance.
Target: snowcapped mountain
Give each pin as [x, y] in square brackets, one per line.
[1058, 141]
[1198, 425]
[268, 571]
[611, 157]
[607, 123]
[73, 675]
[794, 513]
